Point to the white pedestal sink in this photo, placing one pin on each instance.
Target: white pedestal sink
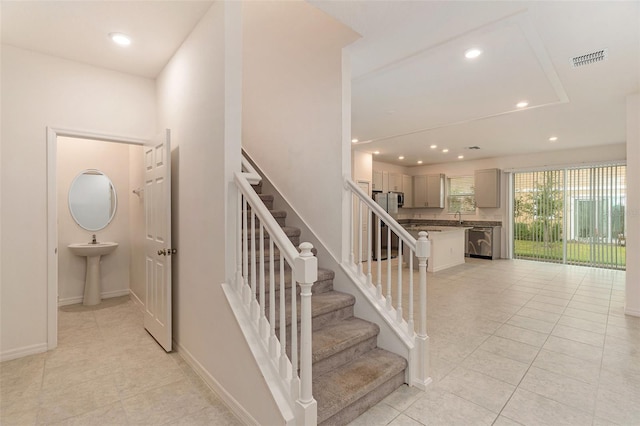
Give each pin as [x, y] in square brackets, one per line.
[92, 281]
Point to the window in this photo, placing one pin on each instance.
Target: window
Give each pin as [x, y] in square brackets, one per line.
[571, 215]
[461, 195]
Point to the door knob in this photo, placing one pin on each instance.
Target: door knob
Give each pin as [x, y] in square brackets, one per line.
[167, 252]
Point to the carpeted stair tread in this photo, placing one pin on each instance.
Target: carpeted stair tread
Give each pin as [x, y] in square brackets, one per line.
[267, 254]
[336, 337]
[325, 307]
[266, 198]
[322, 284]
[275, 213]
[288, 230]
[339, 342]
[350, 373]
[346, 385]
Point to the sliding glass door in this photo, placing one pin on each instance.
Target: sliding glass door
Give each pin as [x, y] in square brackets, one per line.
[572, 215]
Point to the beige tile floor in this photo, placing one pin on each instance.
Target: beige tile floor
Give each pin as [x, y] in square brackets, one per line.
[523, 343]
[106, 371]
[512, 343]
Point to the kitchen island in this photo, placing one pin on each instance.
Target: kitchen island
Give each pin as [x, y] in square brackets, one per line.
[447, 245]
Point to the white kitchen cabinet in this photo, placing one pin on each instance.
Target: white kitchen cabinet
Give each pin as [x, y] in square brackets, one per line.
[487, 188]
[428, 191]
[407, 188]
[377, 180]
[395, 182]
[385, 181]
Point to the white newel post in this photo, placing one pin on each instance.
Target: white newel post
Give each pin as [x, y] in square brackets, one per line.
[306, 267]
[423, 250]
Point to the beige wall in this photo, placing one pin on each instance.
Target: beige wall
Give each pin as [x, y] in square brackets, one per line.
[292, 107]
[192, 103]
[113, 159]
[136, 224]
[40, 91]
[361, 167]
[632, 300]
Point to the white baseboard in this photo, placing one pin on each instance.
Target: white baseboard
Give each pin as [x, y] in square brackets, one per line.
[632, 312]
[136, 300]
[215, 386]
[24, 351]
[105, 295]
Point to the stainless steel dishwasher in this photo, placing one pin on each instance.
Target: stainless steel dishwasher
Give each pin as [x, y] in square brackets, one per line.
[484, 242]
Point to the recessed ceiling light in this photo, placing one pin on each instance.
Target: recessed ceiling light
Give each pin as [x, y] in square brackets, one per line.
[472, 53]
[376, 152]
[460, 157]
[553, 138]
[121, 39]
[445, 150]
[522, 104]
[433, 146]
[354, 140]
[419, 161]
[401, 157]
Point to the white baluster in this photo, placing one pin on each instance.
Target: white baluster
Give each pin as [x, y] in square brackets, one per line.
[264, 325]
[359, 231]
[273, 340]
[245, 255]
[369, 248]
[389, 301]
[306, 266]
[410, 324]
[379, 256]
[239, 280]
[284, 373]
[423, 249]
[399, 308]
[255, 309]
[351, 236]
[295, 379]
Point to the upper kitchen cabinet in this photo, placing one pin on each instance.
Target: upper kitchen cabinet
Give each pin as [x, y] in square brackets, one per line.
[395, 182]
[377, 180]
[487, 190]
[407, 188]
[428, 191]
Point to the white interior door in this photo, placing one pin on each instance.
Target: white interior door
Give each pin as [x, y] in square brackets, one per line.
[158, 250]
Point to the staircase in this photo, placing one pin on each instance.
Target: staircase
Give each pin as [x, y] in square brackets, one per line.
[350, 373]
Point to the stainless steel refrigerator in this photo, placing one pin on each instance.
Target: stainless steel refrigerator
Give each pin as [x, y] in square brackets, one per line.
[389, 202]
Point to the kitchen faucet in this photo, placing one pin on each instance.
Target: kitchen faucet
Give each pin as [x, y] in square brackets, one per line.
[459, 217]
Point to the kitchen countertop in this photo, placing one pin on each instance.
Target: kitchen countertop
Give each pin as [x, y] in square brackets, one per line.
[406, 223]
[432, 228]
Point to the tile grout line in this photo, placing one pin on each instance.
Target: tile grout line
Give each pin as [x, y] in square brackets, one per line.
[529, 368]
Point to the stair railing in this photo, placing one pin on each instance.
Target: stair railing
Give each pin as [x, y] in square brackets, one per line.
[257, 228]
[379, 271]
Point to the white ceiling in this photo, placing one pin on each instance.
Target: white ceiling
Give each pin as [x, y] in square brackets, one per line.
[79, 30]
[411, 85]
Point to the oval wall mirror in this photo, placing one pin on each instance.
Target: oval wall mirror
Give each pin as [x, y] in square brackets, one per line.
[92, 200]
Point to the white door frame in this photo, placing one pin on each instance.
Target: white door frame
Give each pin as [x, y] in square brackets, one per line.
[52, 216]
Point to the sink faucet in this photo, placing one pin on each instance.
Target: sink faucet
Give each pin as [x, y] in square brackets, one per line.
[459, 217]
[93, 240]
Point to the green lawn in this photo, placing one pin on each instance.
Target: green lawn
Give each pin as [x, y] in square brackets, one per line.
[606, 255]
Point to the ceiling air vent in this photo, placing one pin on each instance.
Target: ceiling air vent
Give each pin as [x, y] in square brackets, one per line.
[589, 58]
[472, 147]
